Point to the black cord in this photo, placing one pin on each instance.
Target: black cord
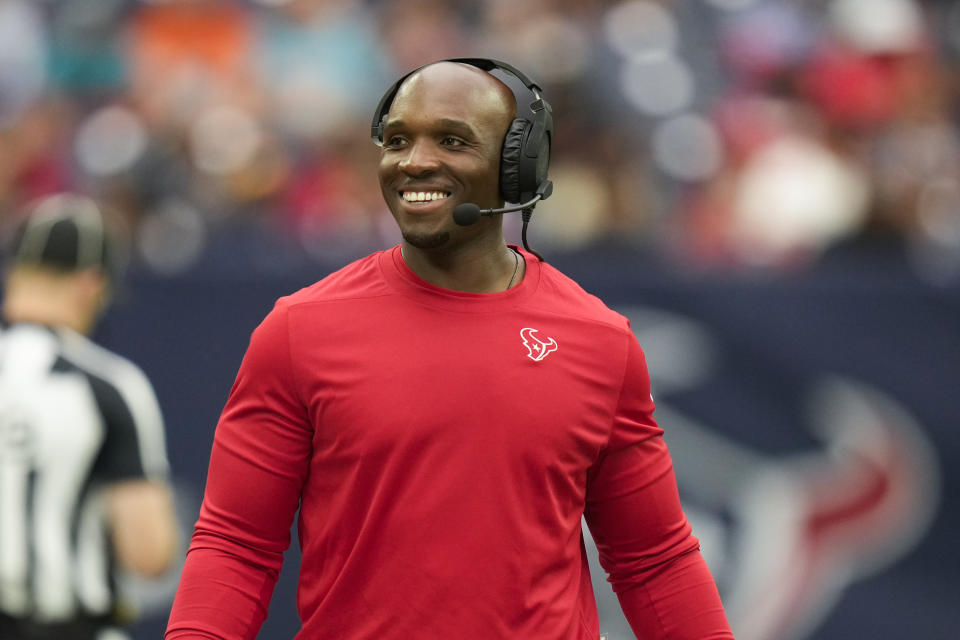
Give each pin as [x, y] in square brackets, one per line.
[525, 215]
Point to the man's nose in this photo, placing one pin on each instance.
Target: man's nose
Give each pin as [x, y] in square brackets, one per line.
[421, 158]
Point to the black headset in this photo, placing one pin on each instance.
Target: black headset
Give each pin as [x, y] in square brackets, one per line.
[525, 158]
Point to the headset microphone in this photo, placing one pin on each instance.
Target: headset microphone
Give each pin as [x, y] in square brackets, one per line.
[468, 213]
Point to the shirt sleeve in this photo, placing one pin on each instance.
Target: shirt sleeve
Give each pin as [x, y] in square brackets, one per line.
[645, 542]
[134, 445]
[258, 464]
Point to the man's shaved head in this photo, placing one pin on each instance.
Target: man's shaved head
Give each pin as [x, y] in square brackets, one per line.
[476, 84]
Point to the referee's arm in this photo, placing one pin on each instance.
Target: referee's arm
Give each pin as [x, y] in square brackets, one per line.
[144, 526]
[133, 464]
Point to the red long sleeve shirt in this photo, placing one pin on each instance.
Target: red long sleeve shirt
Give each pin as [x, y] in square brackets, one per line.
[442, 448]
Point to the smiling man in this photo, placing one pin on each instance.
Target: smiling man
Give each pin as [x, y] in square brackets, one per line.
[443, 414]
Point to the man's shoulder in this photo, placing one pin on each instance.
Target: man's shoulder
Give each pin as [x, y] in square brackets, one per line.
[571, 299]
[97, 360]
[360, 279]
[73, 350]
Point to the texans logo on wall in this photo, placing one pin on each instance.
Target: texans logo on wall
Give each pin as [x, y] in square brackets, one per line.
[799, 484]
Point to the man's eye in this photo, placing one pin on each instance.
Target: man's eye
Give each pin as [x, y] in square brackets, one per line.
[394, 141]
[450, 141]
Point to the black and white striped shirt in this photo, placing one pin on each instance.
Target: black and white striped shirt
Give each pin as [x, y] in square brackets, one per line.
[74, 418]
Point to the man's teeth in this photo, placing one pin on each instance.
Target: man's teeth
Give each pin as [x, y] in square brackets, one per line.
[424, 196]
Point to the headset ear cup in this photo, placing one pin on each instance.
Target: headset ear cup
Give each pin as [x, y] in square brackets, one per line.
[510, 158]
[534, 168]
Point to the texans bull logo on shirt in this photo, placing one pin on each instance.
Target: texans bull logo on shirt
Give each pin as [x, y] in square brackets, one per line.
[537, 349]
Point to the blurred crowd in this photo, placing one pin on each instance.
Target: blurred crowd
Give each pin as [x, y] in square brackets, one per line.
[717, 134]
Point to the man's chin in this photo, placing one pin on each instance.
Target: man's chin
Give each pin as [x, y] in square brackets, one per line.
[426, 240]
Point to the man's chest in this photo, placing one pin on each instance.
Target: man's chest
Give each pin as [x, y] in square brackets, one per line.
[521, 385]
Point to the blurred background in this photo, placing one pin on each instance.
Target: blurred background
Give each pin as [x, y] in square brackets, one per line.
[768, 189]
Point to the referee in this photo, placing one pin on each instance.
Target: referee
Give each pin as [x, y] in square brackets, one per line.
[83, 468]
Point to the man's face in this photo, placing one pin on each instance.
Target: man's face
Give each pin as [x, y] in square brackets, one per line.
[441, 148]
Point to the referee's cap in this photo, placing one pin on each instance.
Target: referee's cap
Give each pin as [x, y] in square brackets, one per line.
[66, 232]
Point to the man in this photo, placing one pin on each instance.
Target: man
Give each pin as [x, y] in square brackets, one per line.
[82, 455]
[443, 414]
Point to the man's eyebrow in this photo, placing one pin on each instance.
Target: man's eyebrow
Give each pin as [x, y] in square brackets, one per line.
[447, 124]
[456, 125]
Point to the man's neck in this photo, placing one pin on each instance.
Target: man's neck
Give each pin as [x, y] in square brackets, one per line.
[34, 298]
[488, 271]
[47, 316]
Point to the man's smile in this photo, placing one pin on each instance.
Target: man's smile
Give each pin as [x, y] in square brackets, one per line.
[423, 196]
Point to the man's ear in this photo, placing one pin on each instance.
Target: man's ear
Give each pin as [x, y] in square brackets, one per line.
[94, 286]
